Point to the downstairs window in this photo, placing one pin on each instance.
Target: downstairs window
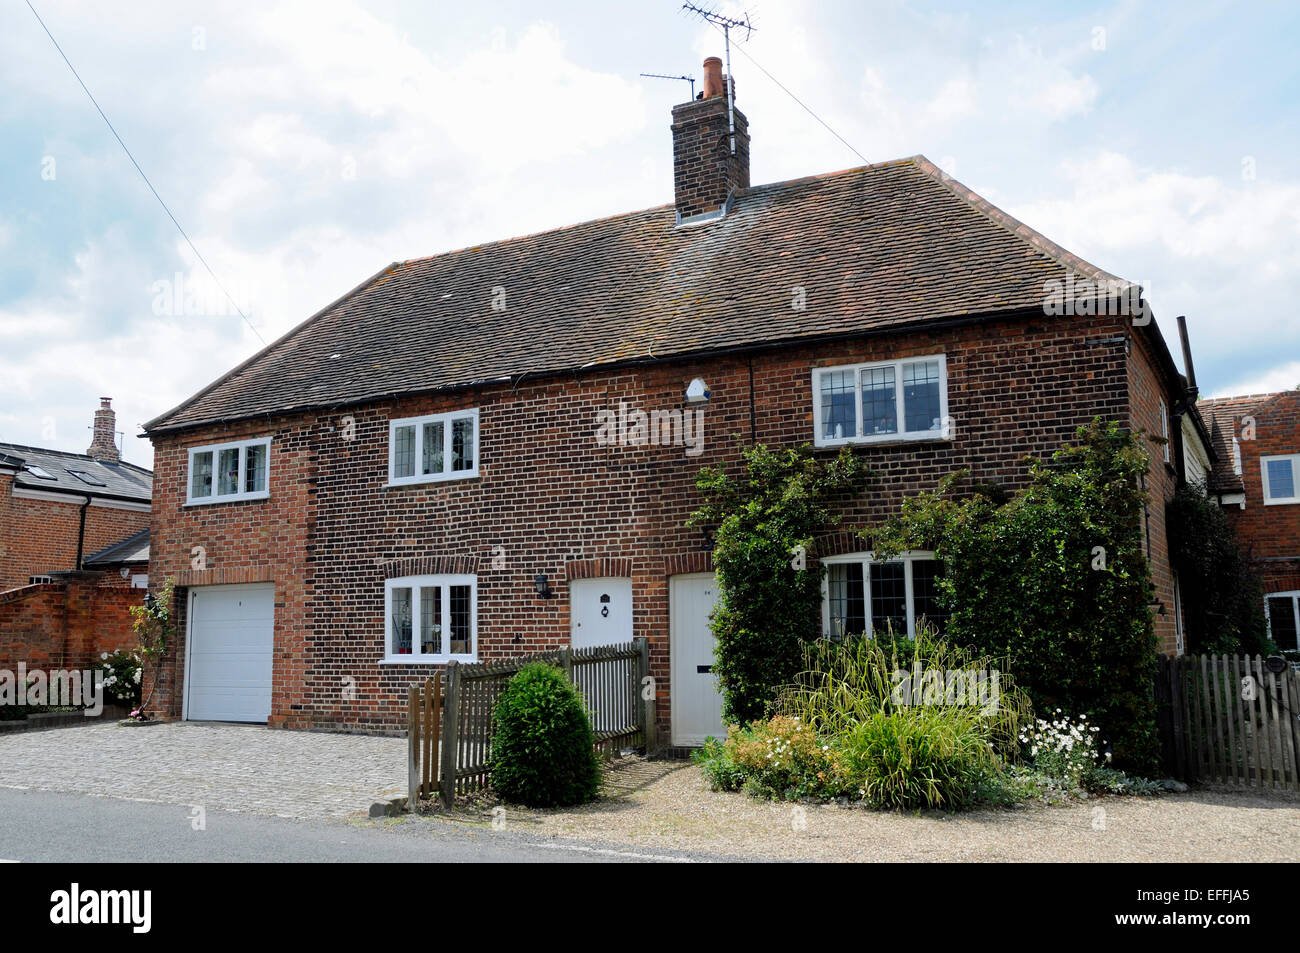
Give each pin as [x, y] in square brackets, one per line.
[431, 619]
[866, 595]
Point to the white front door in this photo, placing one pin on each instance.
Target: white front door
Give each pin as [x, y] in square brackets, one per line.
[696, 701]
[600, 612]
[228, 653]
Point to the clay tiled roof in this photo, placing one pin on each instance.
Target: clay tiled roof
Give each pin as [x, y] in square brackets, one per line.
[1224, 415]
[875, 248]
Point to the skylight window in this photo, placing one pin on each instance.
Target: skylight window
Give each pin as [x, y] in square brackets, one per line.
[40, 474]
[87, 479]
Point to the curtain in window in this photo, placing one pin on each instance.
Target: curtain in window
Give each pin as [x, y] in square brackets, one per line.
[839, 405]
[401, 621]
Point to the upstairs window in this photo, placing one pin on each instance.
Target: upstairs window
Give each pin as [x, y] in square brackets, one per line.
[431, 619]
[1281, 477]
[866, 595]
[436, 447]
[882, 401]
[224, 472]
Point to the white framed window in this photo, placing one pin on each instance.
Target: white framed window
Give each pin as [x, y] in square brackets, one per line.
[1281, 476]
[1283, 612]
[431, 619]
[1164, 429]
[883, 401]
[434, 447]
[225, 472]
[862, 594]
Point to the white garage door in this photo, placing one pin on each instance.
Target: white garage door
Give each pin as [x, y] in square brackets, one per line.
[228, 668]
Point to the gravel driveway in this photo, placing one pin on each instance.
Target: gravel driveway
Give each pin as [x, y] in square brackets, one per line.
[660, 805]
[219, 767]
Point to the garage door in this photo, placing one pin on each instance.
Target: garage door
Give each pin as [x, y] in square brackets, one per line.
[228, 669]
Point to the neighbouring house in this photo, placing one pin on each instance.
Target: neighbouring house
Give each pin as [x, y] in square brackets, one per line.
[74, 534]
[1258, 485]
[493, 451]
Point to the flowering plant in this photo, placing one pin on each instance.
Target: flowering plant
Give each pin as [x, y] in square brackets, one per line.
[1062, 748]
[122, 676]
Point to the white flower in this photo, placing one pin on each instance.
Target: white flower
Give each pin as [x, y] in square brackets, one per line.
[105, 655]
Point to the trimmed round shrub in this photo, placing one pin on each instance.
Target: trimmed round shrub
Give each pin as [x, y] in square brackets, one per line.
[543, 752]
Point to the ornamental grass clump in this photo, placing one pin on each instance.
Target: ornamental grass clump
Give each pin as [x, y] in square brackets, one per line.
[543, 750]
[918, 757]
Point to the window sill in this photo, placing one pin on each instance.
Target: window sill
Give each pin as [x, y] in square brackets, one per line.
[888, 440]
[427, 659]
[1292, 501]
[425, 481]
[231, 498]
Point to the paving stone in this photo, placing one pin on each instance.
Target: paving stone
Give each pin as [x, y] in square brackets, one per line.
[217, 767]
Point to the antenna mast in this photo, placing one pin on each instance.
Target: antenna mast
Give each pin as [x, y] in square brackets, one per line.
[689, 79]
[726, 23]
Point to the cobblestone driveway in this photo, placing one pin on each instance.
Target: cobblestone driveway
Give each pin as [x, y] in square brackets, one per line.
[220, 767]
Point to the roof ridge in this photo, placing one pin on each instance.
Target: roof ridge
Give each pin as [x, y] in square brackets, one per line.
[1026, 233]
[80, 456]
[665, 206]
[1272, 393]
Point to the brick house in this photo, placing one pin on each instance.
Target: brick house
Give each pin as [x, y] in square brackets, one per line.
[74, 549]
[59, 509]
[1258, 485]
[493, 451]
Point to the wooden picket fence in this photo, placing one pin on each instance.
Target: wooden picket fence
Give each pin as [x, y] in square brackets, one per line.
[449, 716]
[1229, 719]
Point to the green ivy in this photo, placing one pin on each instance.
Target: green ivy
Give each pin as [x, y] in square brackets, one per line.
[1055, 580]
[1222, 597]
[770, 594]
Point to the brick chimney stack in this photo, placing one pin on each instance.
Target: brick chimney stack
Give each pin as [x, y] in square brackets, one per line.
[103, 446]
[705, 173]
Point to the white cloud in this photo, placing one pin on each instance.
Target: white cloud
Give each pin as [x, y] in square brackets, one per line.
[1282, 377]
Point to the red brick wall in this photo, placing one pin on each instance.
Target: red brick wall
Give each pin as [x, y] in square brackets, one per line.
[39, 536]
[67, 624]
[1147, 388]
[1272, 533]
[331, 531]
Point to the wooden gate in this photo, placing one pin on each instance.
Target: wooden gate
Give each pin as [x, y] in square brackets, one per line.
[1229, 719]
[449, 716]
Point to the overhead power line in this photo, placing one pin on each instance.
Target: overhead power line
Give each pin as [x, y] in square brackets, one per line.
[808, 109]
[197, 254]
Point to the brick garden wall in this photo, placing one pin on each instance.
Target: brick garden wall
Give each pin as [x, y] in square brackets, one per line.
[549, 499]
[66, 624]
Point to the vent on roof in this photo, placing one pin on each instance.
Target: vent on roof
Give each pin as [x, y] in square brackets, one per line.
[87, 479]
[40, 474]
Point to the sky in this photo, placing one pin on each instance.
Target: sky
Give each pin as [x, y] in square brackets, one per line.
[303, 146]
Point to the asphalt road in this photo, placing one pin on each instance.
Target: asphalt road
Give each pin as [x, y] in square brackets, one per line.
[40, 826]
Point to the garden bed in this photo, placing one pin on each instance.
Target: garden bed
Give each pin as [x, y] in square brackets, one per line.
[651, 805]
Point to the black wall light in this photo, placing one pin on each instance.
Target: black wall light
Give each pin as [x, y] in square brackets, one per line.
[542, 586]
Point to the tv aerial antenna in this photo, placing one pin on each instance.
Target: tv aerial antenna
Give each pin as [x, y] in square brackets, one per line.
[689, 79]
[726, 24]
